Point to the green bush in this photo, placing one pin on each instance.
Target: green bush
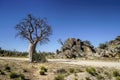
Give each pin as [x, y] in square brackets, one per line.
[39, 57]
[42, 72]
[91, 71]
[43, 68]
[59, 77]
[14, 75]
[116, 73]
[71, 70]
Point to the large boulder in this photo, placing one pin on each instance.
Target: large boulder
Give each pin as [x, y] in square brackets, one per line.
[73, 48]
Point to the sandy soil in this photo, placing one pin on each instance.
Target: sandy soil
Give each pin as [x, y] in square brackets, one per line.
[78, 62]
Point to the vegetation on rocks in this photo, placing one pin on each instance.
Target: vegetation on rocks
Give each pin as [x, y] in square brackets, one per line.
[76, 48]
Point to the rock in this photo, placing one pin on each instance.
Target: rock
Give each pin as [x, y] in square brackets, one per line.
[112, 49]
[73, 48]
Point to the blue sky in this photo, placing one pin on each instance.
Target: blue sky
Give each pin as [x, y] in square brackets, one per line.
[95, 20]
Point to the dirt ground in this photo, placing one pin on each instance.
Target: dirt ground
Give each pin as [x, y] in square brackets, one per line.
[18, 65]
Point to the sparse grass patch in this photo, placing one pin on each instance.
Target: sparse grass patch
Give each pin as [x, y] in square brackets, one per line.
[44, 68]
[87, 78]
[116, 73]
[7, 68]
[91, 71]
[71, 70]
[39, 57]
[79, 70]
[2, 73]
[108, 75]
[100, 77]
[42, 72]
[118, 78]
[75, 74]
[59, 77]
[61, 71]
[22, 76]
[14, 75]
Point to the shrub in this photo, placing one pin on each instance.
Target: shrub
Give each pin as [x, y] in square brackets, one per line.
[79, 70]
[7, 68]
[42, 72]
[59, 77]
[14, 75]
[118, 78]
[39, 57]
[103, 46]
[61, 71]
[91, 71]
[116, 73]
[87, 78]
[1, 72]
[22, 76]
[43, 68]
[71, 70]
[99, 77]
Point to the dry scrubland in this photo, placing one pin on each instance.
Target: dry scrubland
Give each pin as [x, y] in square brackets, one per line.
[23, 70]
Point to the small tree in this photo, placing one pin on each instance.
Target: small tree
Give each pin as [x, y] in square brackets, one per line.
[117, 38]
[35, 30]
[103, 45]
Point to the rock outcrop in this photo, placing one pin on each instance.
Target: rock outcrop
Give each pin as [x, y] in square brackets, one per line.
[73, 48]
[111, 49]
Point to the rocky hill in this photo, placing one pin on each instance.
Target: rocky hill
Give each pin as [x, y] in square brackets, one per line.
[73, 48]
[109, 49]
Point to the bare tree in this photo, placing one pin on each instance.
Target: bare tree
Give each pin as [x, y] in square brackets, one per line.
[61, 42]
[35, 30]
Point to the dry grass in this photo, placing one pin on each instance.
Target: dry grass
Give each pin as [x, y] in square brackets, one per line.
[31, 70]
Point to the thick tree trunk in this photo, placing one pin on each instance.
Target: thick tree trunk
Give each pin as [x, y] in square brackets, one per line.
[32, 48]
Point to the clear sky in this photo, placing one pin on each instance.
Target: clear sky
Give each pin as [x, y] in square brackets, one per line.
[95, 20]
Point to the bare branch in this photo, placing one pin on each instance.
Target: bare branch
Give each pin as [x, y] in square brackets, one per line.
[34, 29]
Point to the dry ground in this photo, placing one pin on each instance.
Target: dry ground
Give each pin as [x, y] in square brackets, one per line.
[33, 69]
[19, 64]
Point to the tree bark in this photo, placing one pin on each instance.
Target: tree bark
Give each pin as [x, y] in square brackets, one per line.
[32, 48]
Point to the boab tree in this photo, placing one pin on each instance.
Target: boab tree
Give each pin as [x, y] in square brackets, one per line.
[35, 30]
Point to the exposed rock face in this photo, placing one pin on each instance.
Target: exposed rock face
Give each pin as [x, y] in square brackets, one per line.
[112, 49]
[73, 48]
